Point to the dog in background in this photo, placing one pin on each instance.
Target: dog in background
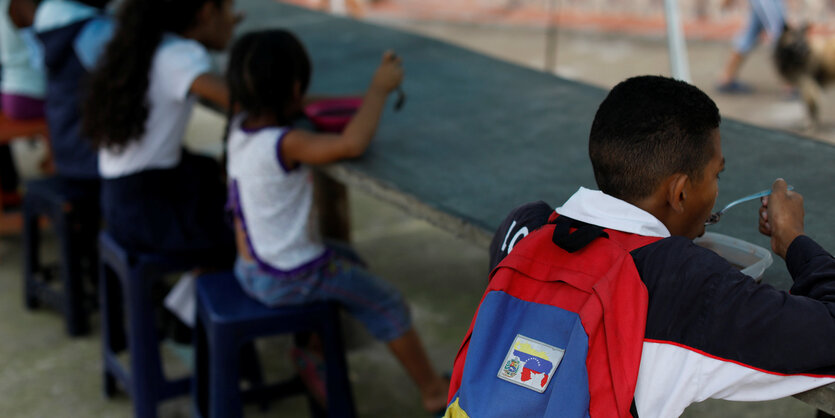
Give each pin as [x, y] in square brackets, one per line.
[807, 63]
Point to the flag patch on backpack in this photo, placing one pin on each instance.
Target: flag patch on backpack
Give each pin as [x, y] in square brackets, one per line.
[530, 363]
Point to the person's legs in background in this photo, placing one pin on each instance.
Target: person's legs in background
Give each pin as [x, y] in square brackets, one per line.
[383, 310]
[744, 43]
[765, 16]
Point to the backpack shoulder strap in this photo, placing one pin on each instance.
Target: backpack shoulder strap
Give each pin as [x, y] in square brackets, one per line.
[573, 241]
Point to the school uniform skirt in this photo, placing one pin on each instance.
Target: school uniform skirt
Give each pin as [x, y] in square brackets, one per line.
[177, 212]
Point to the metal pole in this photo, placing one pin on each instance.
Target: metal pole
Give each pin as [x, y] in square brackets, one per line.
[679, 65]
[551, 38]
[338, 7]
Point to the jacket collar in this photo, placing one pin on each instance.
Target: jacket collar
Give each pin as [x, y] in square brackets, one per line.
[597, 208]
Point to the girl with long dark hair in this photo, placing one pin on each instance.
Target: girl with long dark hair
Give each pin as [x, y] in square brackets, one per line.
[156, 196]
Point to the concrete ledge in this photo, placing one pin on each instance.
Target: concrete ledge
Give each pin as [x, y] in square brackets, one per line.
[822, 398]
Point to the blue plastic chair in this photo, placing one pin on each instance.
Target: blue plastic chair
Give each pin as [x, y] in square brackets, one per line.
[72, 207]
[228, 319]
[125, 281]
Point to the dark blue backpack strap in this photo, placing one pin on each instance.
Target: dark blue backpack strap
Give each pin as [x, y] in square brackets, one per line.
[583, 234]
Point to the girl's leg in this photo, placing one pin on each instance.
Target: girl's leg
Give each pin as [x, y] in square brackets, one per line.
[383, 311]
[409, 351]
[376, 303]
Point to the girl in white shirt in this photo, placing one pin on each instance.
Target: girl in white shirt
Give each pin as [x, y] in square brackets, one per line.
[155, 196]
[281, 257]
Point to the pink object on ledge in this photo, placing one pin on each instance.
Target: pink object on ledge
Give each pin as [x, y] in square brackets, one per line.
[331, 115]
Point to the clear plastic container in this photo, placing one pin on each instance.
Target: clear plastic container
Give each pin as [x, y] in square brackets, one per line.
[751, 259]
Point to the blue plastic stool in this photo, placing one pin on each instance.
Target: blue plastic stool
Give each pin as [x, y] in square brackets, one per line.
[135, 274]
[72, 207]
[227, 319]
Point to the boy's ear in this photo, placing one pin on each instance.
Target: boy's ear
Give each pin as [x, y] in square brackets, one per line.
[676, 191]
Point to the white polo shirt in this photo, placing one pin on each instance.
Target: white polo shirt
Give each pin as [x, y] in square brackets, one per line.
[176, 64]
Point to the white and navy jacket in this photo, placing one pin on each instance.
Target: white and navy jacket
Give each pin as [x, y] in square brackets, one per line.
[73, 36]
[711, 331]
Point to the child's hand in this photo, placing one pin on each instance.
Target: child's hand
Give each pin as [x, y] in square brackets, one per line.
[389, 74]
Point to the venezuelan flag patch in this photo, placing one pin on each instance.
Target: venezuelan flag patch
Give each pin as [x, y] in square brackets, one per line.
[530, 363]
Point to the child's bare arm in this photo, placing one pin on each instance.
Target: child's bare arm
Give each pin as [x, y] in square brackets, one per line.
[212, 88]
[315, 148]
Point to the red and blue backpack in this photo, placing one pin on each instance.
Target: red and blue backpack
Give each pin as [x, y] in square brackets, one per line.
[559, 330]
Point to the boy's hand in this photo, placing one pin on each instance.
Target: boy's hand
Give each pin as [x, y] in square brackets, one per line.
[781, 217]
[389, 74]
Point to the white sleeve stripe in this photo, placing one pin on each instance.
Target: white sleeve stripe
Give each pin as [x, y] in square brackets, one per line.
[700, 352]
[673, 376]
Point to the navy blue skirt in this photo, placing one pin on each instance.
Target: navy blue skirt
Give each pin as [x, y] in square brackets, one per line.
[177, 212]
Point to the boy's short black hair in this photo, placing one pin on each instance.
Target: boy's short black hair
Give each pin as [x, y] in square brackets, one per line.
[648, 128]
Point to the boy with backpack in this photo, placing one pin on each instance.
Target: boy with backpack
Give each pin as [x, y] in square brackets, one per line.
[604, 307]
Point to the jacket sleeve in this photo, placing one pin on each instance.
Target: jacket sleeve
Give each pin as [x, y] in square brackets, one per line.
[722, 335]
[518, 224]
[812, 268]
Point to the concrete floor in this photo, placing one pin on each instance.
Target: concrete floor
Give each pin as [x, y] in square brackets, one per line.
[44, 373]
[604, 59]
